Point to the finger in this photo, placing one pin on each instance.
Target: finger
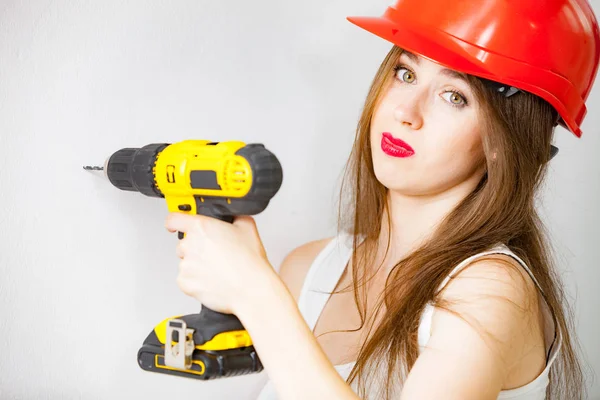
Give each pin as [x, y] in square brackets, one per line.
[185, 286]
[180, 222]
[180, 250]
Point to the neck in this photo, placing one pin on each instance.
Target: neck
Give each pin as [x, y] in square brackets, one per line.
[413, 219]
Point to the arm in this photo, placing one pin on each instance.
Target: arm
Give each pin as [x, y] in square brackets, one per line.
[294, 361]
[470, 360]
[292, 357]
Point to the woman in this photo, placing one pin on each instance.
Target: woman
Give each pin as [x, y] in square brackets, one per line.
[444, 286]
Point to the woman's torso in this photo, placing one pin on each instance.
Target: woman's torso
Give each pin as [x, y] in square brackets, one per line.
[324, 313]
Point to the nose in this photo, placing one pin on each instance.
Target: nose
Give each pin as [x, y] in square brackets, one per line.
[408, 114]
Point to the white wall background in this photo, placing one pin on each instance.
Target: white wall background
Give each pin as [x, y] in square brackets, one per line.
[88, 270]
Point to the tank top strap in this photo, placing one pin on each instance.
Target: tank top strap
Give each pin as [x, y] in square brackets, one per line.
[497, 249]
[552, 336]
[322, 277]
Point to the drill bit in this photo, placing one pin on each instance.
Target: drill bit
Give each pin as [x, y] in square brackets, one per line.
[93, 168]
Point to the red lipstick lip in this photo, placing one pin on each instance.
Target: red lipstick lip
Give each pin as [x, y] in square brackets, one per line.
[397, 142]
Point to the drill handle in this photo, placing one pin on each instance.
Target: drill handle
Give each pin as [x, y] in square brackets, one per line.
[215, 213]
[210, 212]
[212, 322]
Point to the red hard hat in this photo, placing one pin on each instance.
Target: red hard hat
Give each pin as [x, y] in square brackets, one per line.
[549, 48]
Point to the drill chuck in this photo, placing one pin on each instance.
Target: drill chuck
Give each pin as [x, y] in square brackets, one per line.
[131, 169]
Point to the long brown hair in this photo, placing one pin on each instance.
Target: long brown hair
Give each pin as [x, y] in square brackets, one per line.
[501, 209]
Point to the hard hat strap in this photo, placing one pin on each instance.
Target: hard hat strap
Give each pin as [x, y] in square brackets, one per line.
[501, 88]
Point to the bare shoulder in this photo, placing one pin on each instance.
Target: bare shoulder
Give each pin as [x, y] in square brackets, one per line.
[484, 335]
[496, 300]
[496, 275]
[296, 264]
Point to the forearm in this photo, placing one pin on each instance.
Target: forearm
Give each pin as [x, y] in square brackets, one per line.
[293, 359]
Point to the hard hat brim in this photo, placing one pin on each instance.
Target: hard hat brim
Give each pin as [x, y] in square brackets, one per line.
[459, 55]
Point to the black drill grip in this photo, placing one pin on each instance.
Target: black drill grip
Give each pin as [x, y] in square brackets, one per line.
[207, 211]
[209, 323]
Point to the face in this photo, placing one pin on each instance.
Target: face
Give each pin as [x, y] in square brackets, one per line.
[425, 136]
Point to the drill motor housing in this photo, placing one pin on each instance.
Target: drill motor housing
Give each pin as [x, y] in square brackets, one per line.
[220, 179]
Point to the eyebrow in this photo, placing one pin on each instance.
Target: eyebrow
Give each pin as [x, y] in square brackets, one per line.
[447, 72]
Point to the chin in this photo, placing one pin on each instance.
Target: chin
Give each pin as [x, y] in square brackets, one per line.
[400, 180]
[393, 181]
[390, 169]
[400, 187]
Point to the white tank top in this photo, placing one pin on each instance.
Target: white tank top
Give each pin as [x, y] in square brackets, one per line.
[323, 277]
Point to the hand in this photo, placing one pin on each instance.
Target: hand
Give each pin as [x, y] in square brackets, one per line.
[222, 263]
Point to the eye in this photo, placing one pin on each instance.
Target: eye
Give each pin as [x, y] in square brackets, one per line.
[455, 98]
[406, 75]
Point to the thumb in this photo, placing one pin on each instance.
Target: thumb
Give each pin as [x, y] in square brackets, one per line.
[246, 223]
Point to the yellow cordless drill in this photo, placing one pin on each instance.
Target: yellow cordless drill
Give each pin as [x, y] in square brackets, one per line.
[217, 179]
